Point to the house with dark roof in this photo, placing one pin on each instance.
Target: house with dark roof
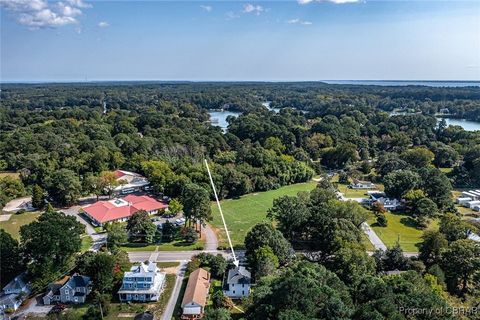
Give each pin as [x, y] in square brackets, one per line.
[72, 289]
[238, 283]
[121, 209]
[14, 293]
[195, 297]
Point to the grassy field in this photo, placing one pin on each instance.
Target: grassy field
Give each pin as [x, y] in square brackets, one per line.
[243, 213]
[9, 174]
[170, 246]
[400, 226]
[86, 243]
[13, 225]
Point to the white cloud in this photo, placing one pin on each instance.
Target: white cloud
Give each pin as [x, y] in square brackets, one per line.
[298, 21]
[79, 4]
[232, 15]
[206, 8]
[103, 24]
[41, 13]
[332, 1]
[250, 8]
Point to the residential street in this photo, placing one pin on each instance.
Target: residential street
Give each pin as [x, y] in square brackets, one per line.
[168, 313]
[166, 256]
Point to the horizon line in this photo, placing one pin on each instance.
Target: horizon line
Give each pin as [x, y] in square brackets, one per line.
[225, 81]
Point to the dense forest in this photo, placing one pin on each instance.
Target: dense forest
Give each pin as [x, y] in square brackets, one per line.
[59, 134]
[64, 139]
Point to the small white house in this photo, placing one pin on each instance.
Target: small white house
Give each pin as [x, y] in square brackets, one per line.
[473, 236]
[359, 184]
[390, 204]
[471, 194]
[471, 204]
[462, 201]
[238, 283]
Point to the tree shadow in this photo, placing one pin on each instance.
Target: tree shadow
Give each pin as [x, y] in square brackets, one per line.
[183, 244]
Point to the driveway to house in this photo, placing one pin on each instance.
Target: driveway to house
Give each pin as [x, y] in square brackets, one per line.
[211, 241]
[17, 204]
[98, 239]
[33, 306]
[168, 313]
[372, 236]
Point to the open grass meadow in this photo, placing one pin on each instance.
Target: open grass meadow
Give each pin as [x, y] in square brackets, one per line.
[15, 175]
[400, 227]
[13, 224]
[243, 213]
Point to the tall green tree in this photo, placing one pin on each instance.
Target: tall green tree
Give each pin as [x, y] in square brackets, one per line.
[196, 204]
[418, 157]
[100, 267]
[398, 183]
[63, 186]
[116, 235]
[432, 247]
[10, 258]
[264, 234]
[158, 173]
[461, 263]
[265, 262]
[141, 228]
[175, 206]
[49, 242]
[453, 227]
[38, 197]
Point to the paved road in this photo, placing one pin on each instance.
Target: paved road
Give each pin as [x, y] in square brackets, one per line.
[372, 236]
[98, 239]
[178, 256]
[168, 313]
[211, 241]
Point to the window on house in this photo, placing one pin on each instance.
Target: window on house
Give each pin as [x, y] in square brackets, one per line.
[233, 291]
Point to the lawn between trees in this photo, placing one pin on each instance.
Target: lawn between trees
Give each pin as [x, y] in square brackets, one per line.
[402, 228]
[243, 213]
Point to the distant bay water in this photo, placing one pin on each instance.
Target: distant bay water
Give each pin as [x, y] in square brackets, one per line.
[467, 125]
[407, 83]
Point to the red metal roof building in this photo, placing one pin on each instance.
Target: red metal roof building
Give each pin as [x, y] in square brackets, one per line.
[121, 209]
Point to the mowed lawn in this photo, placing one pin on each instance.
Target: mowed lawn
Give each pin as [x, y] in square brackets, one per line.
[400, 227]
[13, 225]
[243, 213]
[176, 245]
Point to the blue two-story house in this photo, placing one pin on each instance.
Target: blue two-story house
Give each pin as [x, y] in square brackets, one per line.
[142, 283]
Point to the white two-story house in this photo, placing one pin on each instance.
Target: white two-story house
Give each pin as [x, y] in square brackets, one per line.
[142, 283]
[238, 283]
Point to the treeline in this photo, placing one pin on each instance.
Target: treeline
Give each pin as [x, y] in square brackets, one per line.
[58, 135]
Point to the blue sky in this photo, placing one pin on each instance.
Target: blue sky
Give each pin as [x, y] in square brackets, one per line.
[74, 40]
